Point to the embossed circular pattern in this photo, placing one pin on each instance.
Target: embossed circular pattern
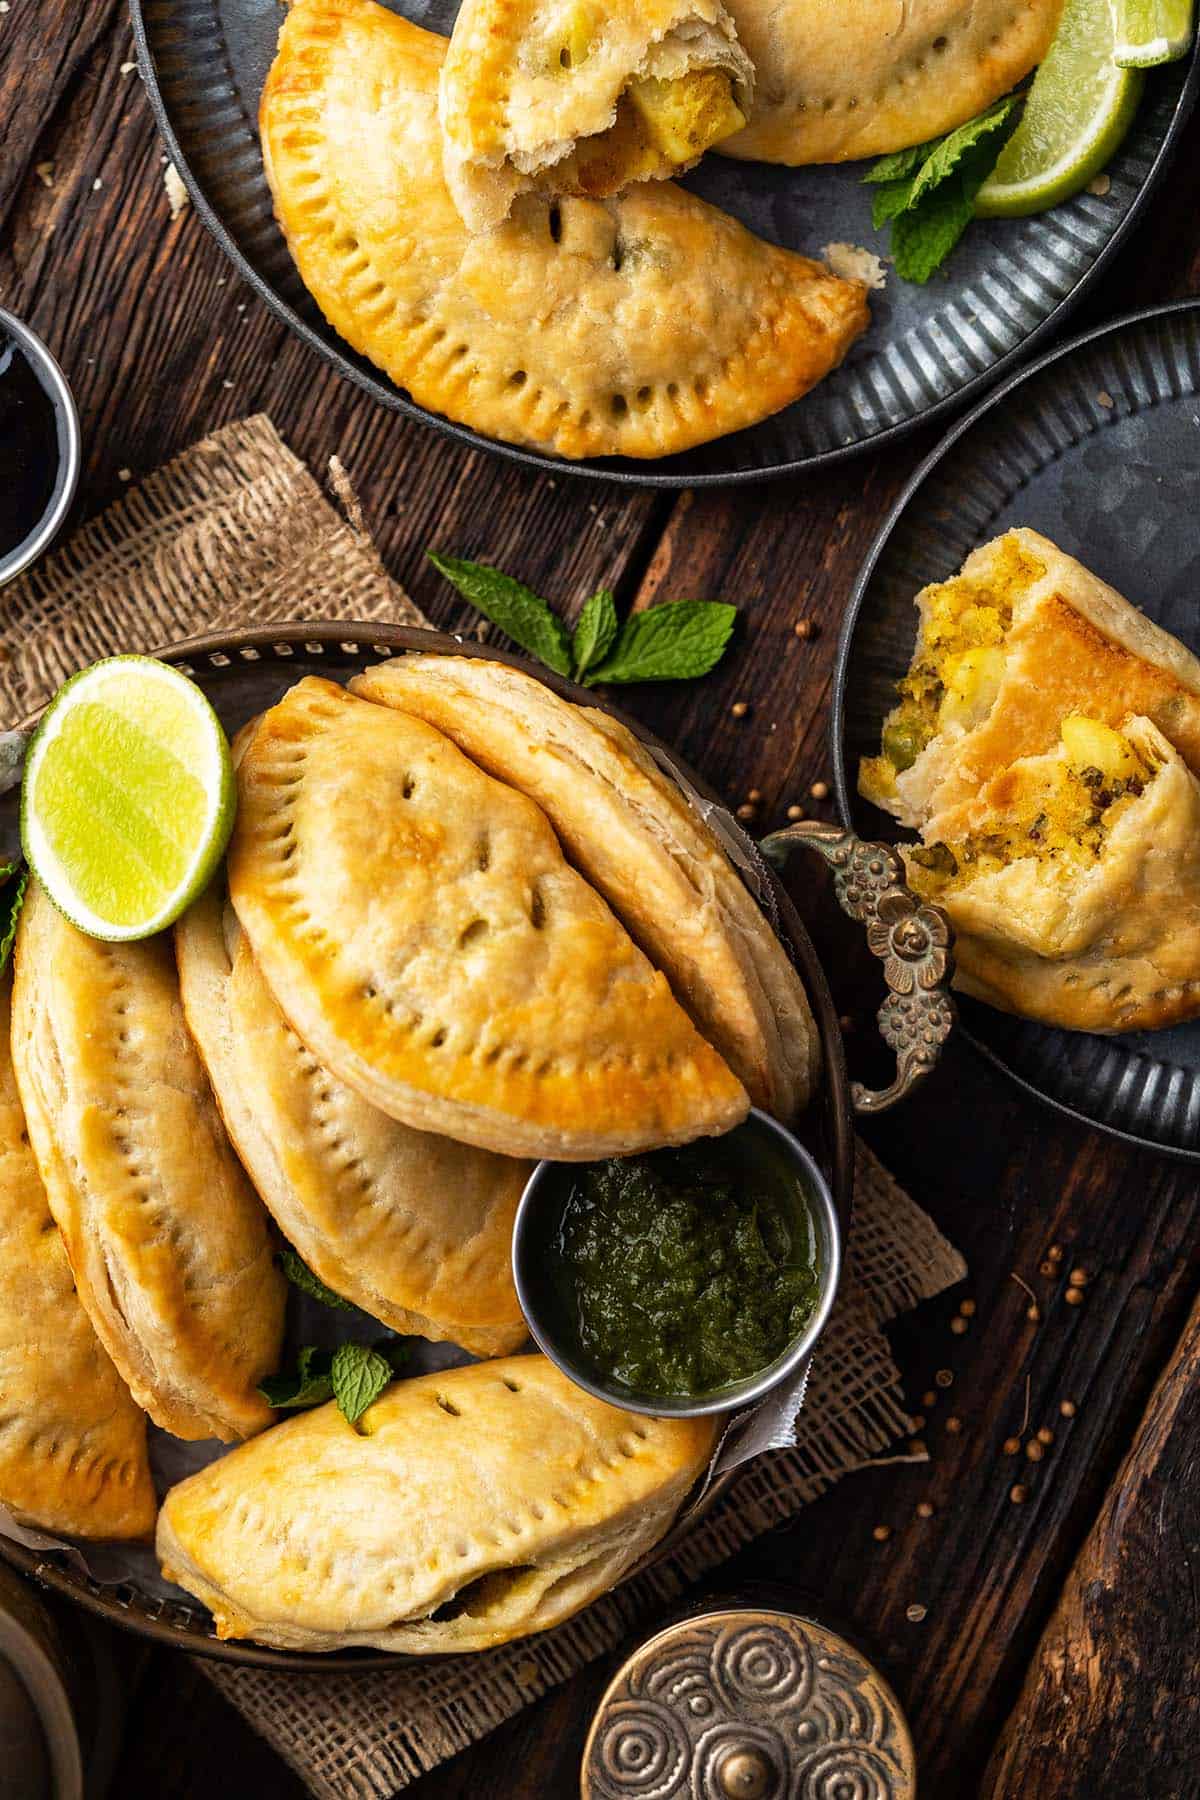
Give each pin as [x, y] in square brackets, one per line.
[763, 1704]
[1010, 282]
[1099, 448]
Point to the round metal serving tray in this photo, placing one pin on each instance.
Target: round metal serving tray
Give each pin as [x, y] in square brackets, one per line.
[242, 674]
[1008, 287]
[1098, 447]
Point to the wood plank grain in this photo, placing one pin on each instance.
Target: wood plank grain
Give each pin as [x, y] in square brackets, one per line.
[40, 60]
[1110, 1704]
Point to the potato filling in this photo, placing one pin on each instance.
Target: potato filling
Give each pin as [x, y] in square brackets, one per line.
[1057, 811]
[956, 669]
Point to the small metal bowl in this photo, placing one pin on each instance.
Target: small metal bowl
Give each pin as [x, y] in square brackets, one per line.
[43, 531]
[537, 1218]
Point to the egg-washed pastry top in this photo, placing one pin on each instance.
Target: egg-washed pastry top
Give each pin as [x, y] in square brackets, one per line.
[466, 1509]
[636, 837]
[1005, 650]
[168, 1242]
[423, 933]
[414, 1228]
[630, 327]
[584, 96]
[72, 1442]
[1073, 882]
[839, 79]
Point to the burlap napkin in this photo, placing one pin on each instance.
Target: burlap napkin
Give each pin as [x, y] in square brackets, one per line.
[236, 532]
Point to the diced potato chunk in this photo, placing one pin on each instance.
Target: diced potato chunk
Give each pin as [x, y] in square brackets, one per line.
[972, 681]
[683, 117]
[1091, 745]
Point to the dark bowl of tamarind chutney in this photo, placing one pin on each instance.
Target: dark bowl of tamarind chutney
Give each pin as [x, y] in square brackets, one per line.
[39, 447]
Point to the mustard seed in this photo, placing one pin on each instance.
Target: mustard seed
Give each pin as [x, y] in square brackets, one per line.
[1046, 1268]
[967, 1308]
[944, 1378]
[924, 1510]
[882, 1533]
[1055, 1253]
[953, 1424]
[1034, 1450]
[1078, 1277]
[739, 709]
[1011, 1446]
[819, 790]
[1074, 1296]
[958, 1326]
[918, 1423]
[804, 629]
[1018, 1494]
[754, 796]
[915, 1613]
[928, 1398]
[1033, 1313]
[1045, 1435]
[795, 814]
[1067, 1409]
[746, 812]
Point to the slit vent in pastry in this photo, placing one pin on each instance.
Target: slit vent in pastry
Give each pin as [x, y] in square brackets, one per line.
[420, 928]
[636, 838]
[470, 1508]
[168, 1242]
[414, 1228]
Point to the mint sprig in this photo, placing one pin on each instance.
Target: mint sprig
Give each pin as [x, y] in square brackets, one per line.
[359, 1376]
[310, 1383]
[354, 1375]
[301, 1276]
[675, 642]
[927, 193]
[15, 879]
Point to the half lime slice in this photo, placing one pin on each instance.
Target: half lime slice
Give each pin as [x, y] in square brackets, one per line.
[1151, 32]
[1078, 110]
[128, 797]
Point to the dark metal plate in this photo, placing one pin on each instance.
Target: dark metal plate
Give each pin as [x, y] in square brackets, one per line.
[242, 674]
[1098, 446]
[1009, 285]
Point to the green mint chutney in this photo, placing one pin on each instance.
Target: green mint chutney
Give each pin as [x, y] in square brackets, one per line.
[685, 1270]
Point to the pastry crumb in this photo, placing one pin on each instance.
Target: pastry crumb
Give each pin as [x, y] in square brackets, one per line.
[1105, 399]
[126, 68]
[124, 474]
[4, 6]
[853, 263]
[1100, 186]
[44, 171]
[178, 198]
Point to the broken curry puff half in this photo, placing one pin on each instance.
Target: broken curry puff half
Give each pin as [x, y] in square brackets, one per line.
[169, 1244]
[584, 96]
[1005, 650]
[628, 828]
[424, 935]
[636, 326]
[1073, 881]
[413, 1228]
[841, 79]
[466, 1509]
[72, 1441]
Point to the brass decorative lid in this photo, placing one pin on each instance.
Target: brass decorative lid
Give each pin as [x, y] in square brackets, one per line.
[748, 1704]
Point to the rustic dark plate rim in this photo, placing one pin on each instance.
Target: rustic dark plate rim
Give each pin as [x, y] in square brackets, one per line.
[837, 727]
[112, 1602]
[389, 395]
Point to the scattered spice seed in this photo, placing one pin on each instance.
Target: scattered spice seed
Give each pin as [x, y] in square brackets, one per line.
[754, 796]
[1074, 1296]
[944, 1378]
[1046, 1268]
[747, 812]
[882, 1533]
[1011, 1446]
[918, 1422]
[1045, 1435]
[1078, 1278]
[917, 1447]
[1018, 1494]
[819, 790]
[1033, 1313]
[1067, 1409]
[924, 1510]
[795, 813]
[916, 1613]
[804, 629]
[929, 1398]
[1105, 399]
[1055, 1253]
[954, 1424]
[958, 1326]
[967, 1308]
[739, 709]
[1034, 1451]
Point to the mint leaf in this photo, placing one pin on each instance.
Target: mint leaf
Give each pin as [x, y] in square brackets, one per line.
[310, 1384]
[301, 1276]
[359, 1377]
[16, 879]
[595, 632]
[668, 643]
[520, 613]
[890, 200]
[946, 154]
[923, 237]
[899, 165]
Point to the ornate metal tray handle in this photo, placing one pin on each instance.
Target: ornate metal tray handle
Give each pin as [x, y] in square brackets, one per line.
[911, 938]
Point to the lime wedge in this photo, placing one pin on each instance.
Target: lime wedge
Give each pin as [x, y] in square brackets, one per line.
[1078, 110]
[128, 797]
[1150, 32]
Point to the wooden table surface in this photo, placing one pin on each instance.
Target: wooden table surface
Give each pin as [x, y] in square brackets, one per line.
[1041, 1625]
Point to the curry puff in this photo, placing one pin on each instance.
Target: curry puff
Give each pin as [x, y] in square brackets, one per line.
[168, 1242]
[1073, 881]
[636, 326]
[839, 79]
[413, 1228]
[1005, 651]
[640, 842]
[468, 1508]
[584, 96]
[426, 938]
[72, 1443]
